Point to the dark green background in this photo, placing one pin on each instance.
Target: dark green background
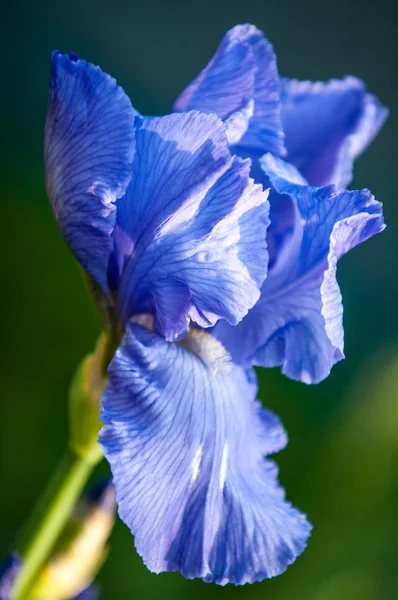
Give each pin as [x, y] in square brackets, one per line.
[341, 466]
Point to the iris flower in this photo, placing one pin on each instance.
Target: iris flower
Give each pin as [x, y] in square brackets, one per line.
[169, 218]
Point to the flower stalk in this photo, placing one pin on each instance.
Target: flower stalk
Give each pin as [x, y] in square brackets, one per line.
[53, 511]
[49, 518]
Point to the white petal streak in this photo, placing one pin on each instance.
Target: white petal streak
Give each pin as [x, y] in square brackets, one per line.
[197, 459]
[223, 469]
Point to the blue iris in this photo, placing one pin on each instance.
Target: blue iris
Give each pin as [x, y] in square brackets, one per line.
[213, 236]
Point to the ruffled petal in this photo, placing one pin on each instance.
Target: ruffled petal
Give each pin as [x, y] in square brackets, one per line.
[297, 323]
[190, 235]
[327, 126]
[89, 148]
[186, 443]
[243, 68]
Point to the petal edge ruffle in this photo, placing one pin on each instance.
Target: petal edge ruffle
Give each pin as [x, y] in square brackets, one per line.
[186, 448]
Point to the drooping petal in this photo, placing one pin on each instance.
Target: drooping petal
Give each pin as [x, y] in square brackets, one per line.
[327, 126]
[186, 443]
[243, 68]
[89, 148]
[190, 235]
[297, 323]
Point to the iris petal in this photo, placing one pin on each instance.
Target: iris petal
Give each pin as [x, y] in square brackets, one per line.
[297, 323]
[327, 126]
[190, 235]
[186, 446]
[243, 68]
[89, 148]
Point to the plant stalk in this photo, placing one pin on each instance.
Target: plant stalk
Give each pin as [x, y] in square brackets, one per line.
[49, 518]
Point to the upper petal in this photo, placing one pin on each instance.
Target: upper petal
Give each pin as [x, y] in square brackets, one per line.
[243, 68]
[88, 150]
[186, 444]
[297, 323]
[190, 235]
[327, 126]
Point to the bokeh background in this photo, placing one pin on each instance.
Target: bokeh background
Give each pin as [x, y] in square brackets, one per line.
[341, 465]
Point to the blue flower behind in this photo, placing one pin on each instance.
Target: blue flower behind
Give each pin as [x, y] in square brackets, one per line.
[165, 217]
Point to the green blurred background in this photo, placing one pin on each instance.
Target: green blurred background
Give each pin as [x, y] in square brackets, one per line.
[341, 466]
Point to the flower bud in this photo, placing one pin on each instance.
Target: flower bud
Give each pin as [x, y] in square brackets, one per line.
[81, 549]
[84, 403]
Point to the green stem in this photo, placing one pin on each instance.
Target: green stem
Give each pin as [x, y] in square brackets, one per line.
[49, 519]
